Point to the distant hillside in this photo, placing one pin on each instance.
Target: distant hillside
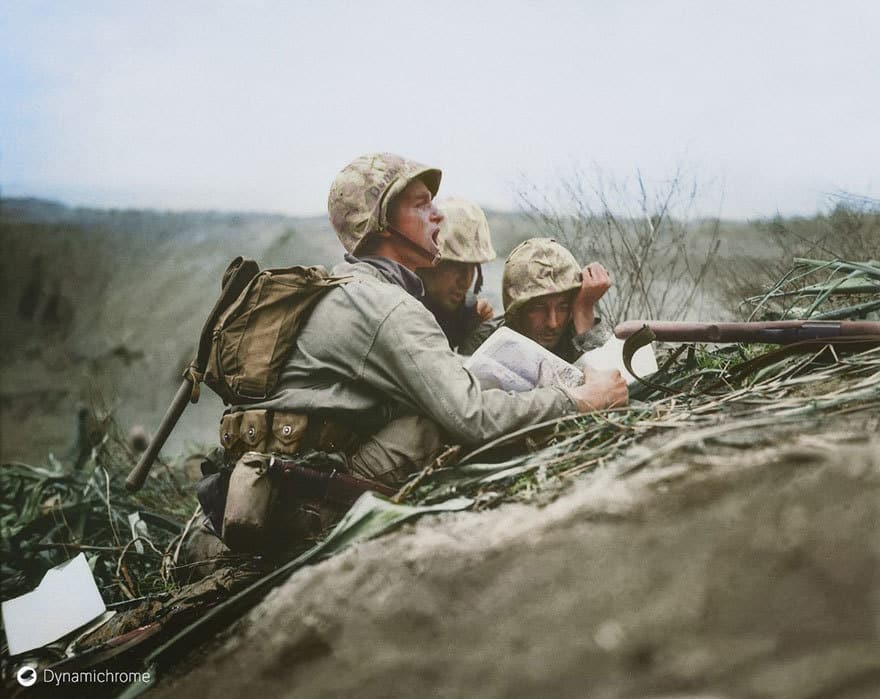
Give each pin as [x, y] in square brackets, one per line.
[106, 306]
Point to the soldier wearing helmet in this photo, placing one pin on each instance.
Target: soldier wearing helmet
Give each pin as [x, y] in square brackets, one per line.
[371, 356]
[549, 298]
[465, 244]
[369, 203]
[371, 389]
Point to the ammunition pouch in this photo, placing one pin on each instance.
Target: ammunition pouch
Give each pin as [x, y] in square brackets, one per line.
[283, 432]
[290, 471]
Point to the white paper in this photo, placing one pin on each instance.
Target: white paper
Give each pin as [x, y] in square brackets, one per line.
[513, 362]
[138, 530]
[610, 356]
[66, 598]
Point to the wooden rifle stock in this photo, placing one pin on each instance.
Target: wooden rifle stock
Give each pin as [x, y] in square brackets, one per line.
[782, 332]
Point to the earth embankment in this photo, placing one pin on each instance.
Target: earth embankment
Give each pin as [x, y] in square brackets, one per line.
[724, 572]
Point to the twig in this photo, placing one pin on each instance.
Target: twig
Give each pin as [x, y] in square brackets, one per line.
[441, 461]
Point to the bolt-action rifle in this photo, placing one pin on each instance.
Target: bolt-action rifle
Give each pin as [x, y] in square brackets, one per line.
[795, 335]
[780, 332]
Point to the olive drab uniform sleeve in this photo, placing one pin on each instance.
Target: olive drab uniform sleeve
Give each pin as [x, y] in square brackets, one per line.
[410, 358]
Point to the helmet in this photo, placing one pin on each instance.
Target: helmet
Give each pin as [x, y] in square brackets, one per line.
[464, 232]
[361, 192]
[537, 267]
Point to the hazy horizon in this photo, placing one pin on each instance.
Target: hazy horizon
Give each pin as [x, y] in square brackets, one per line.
[252, 107]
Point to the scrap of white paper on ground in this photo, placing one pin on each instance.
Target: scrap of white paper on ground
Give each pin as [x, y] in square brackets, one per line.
[66, 598]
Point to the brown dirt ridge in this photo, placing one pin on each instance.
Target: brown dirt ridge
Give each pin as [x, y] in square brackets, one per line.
[726, 573]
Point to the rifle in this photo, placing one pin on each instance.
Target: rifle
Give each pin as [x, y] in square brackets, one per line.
[240, 271]
[796, 335]
[780, 332]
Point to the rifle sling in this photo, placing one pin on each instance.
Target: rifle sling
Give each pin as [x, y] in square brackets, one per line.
[640, 338]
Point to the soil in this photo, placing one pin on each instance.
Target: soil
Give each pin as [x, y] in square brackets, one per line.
[734, 572]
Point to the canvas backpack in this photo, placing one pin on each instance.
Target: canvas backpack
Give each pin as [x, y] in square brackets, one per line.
[252, 335]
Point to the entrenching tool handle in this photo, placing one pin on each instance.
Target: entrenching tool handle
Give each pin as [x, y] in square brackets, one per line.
[237, 276]
[140, 472]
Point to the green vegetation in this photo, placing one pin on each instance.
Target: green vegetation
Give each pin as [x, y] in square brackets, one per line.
[849, 231]
[50, 513]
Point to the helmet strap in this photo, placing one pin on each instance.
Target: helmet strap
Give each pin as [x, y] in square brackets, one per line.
[424, 252]
[478, 284]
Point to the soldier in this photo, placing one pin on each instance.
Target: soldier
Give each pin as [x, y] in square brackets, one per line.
[550, 299]
[372, 380]
[372, 360]
[465, 244]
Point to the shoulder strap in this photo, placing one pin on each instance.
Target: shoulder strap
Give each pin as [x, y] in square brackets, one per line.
[237, 276]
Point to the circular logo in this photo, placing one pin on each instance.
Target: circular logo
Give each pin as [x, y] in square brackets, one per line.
[26, 675]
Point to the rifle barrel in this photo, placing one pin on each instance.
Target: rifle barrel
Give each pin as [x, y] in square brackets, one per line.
[780, 332]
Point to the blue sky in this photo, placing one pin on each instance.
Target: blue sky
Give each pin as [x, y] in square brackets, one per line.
[256, 105]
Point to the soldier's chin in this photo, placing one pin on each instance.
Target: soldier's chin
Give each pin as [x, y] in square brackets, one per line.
[452, 304]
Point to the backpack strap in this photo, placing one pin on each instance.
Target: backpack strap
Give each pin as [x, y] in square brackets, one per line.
[237, 276]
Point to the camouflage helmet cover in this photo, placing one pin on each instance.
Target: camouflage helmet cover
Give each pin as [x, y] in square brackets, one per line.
[360, 194]
[464, 232]
[537, 267]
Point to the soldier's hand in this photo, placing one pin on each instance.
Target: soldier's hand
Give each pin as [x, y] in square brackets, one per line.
[595, 281]
[484, 309]
[602, 388]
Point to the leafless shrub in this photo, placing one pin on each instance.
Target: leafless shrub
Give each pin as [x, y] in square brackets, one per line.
[848, 230]
[647, 234]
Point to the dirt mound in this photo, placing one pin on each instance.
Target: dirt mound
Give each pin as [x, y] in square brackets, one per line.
[740, 573]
